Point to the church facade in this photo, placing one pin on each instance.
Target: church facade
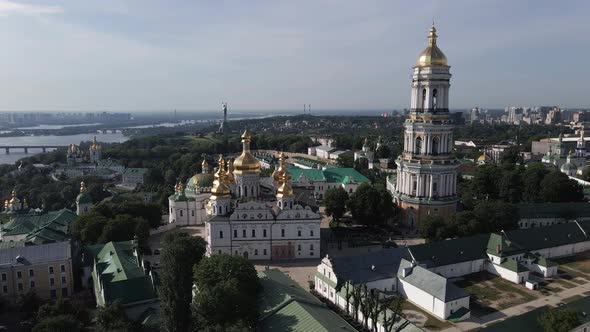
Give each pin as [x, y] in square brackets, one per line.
[426, 171]
[241, 220]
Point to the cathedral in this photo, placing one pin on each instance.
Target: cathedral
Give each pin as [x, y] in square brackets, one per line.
[240, 218]
[426, 171]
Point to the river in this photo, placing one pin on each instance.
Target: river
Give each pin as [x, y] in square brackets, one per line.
[17, 154]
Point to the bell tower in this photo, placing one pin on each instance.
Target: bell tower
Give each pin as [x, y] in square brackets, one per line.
[426, 171]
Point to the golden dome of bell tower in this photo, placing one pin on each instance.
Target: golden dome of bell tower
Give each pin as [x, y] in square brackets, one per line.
[432, 55]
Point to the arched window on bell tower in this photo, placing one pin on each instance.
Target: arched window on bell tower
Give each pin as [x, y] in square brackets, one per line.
[418, 145]
[423, 99]
[434, 99]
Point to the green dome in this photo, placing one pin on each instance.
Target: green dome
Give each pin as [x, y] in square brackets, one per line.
[201, 180]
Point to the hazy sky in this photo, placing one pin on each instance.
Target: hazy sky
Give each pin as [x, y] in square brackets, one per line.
[268, 55]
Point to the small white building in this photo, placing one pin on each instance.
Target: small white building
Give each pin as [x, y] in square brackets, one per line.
[133, 177]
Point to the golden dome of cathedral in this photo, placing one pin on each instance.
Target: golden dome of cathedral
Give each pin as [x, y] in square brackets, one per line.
[432, 55]
[246, 162]
[220, 187]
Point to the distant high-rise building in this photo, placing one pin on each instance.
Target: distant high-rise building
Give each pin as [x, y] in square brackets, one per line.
[223, 125]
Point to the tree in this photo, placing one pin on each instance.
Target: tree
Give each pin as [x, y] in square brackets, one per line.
[227, 291]
[485, 182]
[335, 201]
[531, 181]
[510, 186]
[433, 228]
[112, 318]
[61, 323]
[393, 315]
[558, 187]
[345, 160]
[495, 216]
[371, 204]
[180, 253]
[559, 320]
[63, 307]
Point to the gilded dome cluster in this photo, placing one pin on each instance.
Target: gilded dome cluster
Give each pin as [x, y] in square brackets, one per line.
[283, 177]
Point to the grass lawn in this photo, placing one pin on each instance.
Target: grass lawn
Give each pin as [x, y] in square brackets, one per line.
[565, 284]
[579, 281]
[575, 262]
[432, 323]
[571, 272]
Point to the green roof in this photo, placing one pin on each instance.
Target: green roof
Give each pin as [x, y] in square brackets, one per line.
[200, 180]
[500, 245]
[554, 210]
[528, 322]
[53, 226]
[331, 175]
[119, 272]
[285, 306]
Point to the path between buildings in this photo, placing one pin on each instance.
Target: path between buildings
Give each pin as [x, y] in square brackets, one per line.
[551, 300]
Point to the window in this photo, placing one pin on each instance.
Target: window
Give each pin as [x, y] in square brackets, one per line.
[51, 270]
[434, 98]
[299, 247]
[311, 233]
[418, 149]
[181, 213]
[20, 286]
[19, 274]
[243, 233]
[5, 289]
[51, 281]
[298, 233]
[423, 98]
[264, 252]
[282, 233]
[253, 233]
[31, 273]
[434, 146]
[192, 213]
[62, 268]
[252, 191]
[311, 247]
[219, 252]
[3, 276]
[264, 233]
[63, 280]
[52, 294]
[221, 234]
[235, 233]
[64, 292]
[32, 284]
[255, 252]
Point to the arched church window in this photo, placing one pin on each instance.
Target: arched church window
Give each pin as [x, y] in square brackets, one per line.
[434, 99]
[245, 191]
[435, 146]
[418, 145]
[423, 98]
[252, 191]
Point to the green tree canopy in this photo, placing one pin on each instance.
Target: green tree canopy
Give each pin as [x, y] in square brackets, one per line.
[559, 320]
[371, 204]
[227, 291]
[335, 201]
[112, 318]
[180, 253]
[60, 323]
[557, 187]
[433, 228]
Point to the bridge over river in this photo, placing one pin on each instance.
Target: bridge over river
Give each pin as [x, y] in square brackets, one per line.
[26, 148]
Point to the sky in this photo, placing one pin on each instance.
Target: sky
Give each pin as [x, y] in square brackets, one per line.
[273, 55]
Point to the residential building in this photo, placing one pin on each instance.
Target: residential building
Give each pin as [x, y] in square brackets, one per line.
[45, 269]
[116, 271]
[133, 177]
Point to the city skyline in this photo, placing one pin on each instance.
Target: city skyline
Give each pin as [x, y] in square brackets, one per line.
[63, 55]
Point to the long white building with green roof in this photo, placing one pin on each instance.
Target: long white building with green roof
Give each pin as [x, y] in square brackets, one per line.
[323, 179]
